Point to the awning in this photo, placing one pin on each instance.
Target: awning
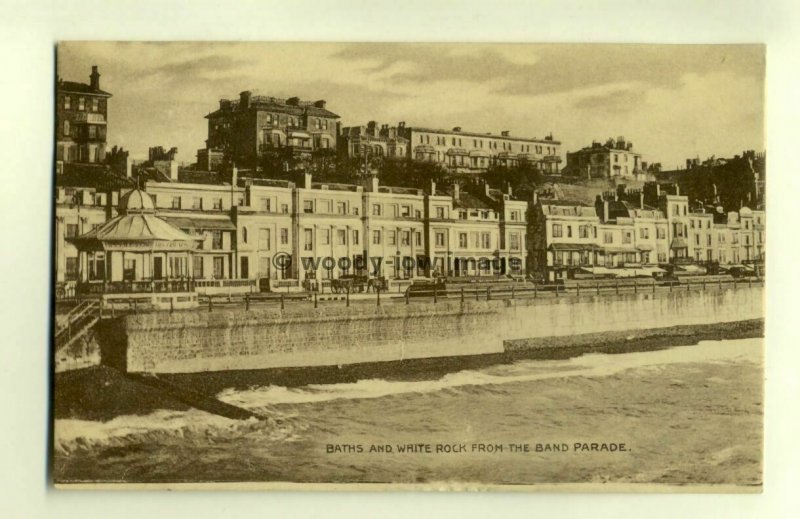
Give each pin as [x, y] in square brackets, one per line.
[649, 271]
[196, 223]
[691, 268]
[299, 135]
[619, 250]
[479, 153]
[678, 243]
[644, 247]
[603, 271]
[424, 149]
[625, 273]
[574, 246]
[457, 151]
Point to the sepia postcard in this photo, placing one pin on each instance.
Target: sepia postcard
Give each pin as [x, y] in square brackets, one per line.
[391, 266]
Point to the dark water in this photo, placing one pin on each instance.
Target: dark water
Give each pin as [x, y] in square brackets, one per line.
[689, 414]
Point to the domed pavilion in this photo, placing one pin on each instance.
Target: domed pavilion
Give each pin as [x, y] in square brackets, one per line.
[137, 257]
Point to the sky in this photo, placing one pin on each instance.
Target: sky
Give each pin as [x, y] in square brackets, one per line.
[672, 101]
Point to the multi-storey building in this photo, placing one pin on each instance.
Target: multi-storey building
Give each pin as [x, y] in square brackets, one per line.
[245, 129]
[371, 141]
[468, 152]
[81, 119]
[394, 229]
[614, 159]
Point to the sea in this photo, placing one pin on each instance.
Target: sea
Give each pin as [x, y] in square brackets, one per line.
[680, 416]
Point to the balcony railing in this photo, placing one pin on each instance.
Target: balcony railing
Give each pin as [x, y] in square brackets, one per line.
[136, 287]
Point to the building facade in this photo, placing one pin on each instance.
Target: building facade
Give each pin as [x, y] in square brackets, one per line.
[244, 130]
[613, 159]
[81, 120]
[468, 152]
[372, 141]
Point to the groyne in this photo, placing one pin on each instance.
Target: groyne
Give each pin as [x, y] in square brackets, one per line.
[267, 338]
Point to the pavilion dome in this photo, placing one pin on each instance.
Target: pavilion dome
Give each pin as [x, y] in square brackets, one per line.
[136, 201]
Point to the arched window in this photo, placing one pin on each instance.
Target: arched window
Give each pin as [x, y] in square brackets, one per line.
[244, 234]
[66, 127]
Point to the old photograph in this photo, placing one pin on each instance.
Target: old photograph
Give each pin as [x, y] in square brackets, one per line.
[382, 266]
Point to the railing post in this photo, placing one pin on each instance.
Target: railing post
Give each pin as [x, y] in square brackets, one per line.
[535, 291]
[247, 302]
[635, 287]
[704, 284]
[378, 301]
[282, 305]
[315, 299]
[749, 282]
[688, 283]
[134, 306]
[347, 297]
[210, 304]
[489, 293]
[556, 290]
[598, 288]
[617, 286]
[670, 285]
[462, 295]
[477, 294]
[578, 290]
[171, 304]
[654, 286]
[435, 295]
[512, 291]
[407, 296]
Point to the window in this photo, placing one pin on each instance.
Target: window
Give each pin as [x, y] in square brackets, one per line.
[676, 210]
[284, 236]
[264, 239]
[608, 237]
[708, 240]
[176, 202]
[81, 105]
[67, 101]
[129, 270]
[285, 208]
[341, 208]
[569, 231]
[355, 236]
[218, 204]
[515, 216]
[697, 239]
[462, 240]
[440, 213]
[71, 273]
[197, 203]
[439, 237]
[325, 236]
[661, 233]
[244, 234]
[376, 237]
[644, 233]
[405, 238]
[418, 239]
[405, 211]
[72, 230]
[308, 206]
[177, 267]
[341, 237]
[583, 231]
[95, 104]
[486, 240]
[626, 237]
[216, 240]
[662, 257]
[376, 209]
[308, 239]
[391, 238]
[557, 231]
[513, 241]
[219, 267]
[266, 205]
[92, 131]
[197, 267]
[66, 127]
[326, 206]
[462, 215]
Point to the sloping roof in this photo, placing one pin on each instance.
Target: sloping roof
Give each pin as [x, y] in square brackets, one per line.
[138, 227]
[80, 88]
[201, 223]
[98, 176]
[261, 103]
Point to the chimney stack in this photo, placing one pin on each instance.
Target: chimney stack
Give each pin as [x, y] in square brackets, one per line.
[509, 189]
[234, 175]
[456, 191]
[505, 133]
[486, 189]
[677, 190]
[173, 170]
[535, 198]
[605, 211]
[641, 199]
[373, 184]
[94, 78]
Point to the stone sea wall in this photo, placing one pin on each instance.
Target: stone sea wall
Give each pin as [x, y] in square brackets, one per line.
[187, 342]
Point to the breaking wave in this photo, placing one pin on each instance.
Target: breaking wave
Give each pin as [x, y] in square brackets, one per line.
[591, 365]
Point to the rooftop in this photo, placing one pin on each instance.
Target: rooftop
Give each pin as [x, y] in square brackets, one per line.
[80, 88]
[484, 135]
[98, 176]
